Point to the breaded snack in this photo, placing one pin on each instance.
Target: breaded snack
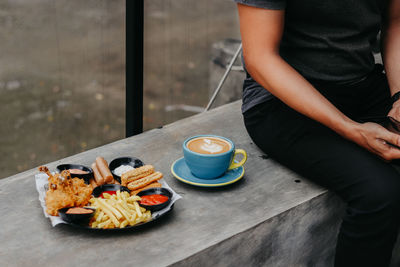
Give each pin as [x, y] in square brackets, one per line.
[65, 191]
[152, 185]
[135, 185]
[136, 174]
[82, 192]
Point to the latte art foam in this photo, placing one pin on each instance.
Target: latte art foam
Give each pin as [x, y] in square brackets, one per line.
[211, 147]
[208, 145]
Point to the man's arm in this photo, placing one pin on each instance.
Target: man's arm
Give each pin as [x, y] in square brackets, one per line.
[391, 45]
[261, 31]
[391, 52]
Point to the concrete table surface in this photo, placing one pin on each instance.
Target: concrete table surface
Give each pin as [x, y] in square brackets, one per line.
[203, 218]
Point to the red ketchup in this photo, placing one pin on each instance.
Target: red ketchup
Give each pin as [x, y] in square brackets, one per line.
[108, 192]
[153, 199]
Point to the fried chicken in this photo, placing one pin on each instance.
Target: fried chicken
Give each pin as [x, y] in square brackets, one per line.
[82, 192]
[64, 191]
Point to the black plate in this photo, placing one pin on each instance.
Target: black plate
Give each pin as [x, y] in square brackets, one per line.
[115, 163]
[76, 218]
[153, 191]
[86, 176]
[108, 187]
[125, 228]
[114, 187]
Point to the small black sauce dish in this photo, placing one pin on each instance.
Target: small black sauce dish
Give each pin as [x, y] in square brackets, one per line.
[154, 191]
[109, 187]
[85, 176]
[131, 161]
[82, 219]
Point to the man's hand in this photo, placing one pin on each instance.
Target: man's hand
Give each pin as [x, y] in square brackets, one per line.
[395, 111]
[377, 140]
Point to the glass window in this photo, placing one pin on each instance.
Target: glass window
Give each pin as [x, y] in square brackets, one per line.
[179, 49]
[62, 79]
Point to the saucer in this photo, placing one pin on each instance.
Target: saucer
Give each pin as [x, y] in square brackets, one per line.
[181, 172]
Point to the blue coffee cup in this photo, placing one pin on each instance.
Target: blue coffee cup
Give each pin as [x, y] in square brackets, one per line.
[211, 166]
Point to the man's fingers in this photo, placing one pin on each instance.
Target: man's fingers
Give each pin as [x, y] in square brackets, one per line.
[388, 151]
[391, 153]
[381, 141]
[392, 138]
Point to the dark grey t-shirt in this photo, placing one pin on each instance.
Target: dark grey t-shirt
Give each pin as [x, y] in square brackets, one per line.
[327, 40]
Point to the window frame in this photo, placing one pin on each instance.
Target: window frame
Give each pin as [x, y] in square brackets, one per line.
[134, 19]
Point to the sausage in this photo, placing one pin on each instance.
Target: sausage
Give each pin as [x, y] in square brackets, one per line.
[102, 165]
[97, 175]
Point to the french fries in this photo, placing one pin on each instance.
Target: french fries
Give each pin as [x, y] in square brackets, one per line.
[118, 211]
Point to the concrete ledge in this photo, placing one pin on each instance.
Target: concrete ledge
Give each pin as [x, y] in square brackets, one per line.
[266, 219]
[302, 236]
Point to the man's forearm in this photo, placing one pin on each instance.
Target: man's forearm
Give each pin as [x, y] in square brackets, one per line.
[272, 72]
[391, 53]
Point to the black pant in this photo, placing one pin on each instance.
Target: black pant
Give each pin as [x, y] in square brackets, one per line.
[369, 185]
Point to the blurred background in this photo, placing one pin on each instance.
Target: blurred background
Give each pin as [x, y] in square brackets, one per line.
[62, 71]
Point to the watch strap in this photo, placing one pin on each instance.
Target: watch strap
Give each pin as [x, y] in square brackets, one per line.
[396, 97]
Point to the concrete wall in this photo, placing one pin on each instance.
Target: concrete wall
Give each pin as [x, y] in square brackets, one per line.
[302, 236]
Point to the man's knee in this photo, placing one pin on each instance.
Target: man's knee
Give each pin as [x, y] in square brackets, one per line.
[383, 196]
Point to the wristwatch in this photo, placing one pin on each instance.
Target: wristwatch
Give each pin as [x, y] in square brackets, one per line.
[395, 97]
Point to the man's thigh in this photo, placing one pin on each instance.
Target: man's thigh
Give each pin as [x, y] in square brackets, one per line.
[318, 153]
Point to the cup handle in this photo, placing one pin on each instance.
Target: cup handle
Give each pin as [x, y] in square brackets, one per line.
[235, 165]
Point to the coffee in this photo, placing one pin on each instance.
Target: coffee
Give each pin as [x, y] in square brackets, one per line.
[208, 145]
[210, 156]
